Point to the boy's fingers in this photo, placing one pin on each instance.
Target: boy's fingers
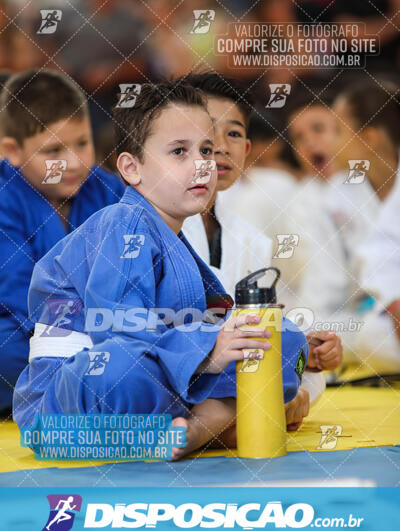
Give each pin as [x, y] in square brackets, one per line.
[304, 399]
[328, 347]
[315, 337]
[252, 318]
[306, 406]
[319, 335]
[248, 318]
[332, 359]
[252, 333]
[329, 359]
[293, 415]
[250, 321]
[240, 320]
[325, 347]
[289, 410]
[242, 343]
[240, 355]
[233, 354]
[332, 354]
[252, 354]
[298, 408]
[314, 340]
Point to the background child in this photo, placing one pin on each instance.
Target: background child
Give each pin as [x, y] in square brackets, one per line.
[44, 118]
[367, 116]
[312, 134]
[265, 194]
[226, 241]
[380, 271]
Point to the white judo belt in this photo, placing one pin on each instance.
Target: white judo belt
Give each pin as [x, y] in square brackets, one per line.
[45, 342]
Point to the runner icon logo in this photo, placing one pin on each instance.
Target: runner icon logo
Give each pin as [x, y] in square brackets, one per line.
[62, 511]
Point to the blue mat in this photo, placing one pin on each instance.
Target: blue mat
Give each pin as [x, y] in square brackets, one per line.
[379, 464]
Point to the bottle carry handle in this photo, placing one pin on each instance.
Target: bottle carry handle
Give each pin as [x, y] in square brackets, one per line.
[251, 280]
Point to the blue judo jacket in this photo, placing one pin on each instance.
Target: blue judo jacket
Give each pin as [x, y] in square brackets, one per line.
[124, 258]
[29, 228]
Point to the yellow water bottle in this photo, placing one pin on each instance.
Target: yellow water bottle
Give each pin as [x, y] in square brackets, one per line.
[260, 422]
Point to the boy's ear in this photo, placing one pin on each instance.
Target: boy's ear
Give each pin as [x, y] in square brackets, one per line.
[248, 147]
[11, 150]
[127, 165]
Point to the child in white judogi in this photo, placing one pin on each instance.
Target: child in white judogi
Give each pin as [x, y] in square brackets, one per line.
[229, 244]
[367, 131]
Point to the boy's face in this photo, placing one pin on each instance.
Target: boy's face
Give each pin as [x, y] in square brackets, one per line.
[231, 145]
[179, 135]
[69, 140]
[313, 134]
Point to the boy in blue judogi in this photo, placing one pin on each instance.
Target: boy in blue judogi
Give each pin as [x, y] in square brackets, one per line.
[48, 187]
[120, 304]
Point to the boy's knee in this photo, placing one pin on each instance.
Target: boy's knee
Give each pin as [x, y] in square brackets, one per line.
[119, 381]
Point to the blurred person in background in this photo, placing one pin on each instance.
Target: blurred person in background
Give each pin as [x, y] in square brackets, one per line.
[44, 123]
[102, 44]
[311, 132]
[176, 48]
[379, 256]
[265, 196]
[367, 116]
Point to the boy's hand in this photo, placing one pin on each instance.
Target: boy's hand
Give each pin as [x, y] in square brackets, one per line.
[325, 351]
[297, 409]
[232, 339]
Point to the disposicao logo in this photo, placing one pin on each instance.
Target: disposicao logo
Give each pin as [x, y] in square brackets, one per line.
[189, 515]
[62, 511]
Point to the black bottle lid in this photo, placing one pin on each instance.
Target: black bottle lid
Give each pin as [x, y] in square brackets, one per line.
[248, 292]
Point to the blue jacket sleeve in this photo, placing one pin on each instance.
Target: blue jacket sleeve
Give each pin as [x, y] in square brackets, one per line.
[16, 265]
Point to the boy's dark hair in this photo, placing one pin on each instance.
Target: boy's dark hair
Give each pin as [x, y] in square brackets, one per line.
[133, 125]
[302, 98]
[264, 126]
[228, 88]
[32, 100]
[375, 105]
